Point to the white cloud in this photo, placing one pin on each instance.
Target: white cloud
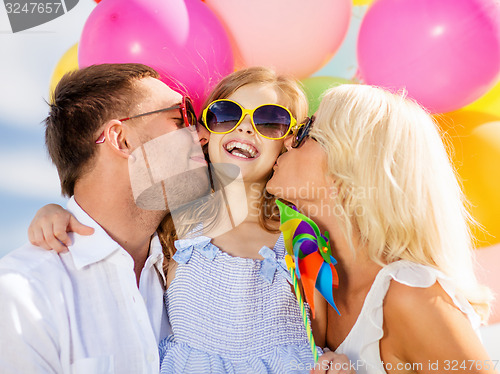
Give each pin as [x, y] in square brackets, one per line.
[26, 173]
[28, 60]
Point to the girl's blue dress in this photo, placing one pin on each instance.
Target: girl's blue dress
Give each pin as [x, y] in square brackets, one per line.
[232, 314]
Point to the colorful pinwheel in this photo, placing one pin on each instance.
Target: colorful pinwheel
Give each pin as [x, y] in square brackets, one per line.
[314, 263]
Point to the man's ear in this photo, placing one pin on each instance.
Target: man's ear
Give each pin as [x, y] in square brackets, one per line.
[116, 138]
[203, 134]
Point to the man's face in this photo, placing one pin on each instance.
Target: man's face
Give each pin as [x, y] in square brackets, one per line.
[156, 95]
[168, 168]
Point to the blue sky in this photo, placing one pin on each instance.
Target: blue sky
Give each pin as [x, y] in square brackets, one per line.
[27, 178]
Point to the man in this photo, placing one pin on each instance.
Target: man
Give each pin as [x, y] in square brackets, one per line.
[98, 307]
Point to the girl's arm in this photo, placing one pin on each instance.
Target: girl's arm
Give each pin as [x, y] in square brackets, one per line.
[50, 226]
[425, 330]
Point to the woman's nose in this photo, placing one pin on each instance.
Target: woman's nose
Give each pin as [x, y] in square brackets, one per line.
[288, 141]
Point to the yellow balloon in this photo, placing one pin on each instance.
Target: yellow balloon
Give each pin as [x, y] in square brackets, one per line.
[67, 63]
[362, 2]
[488, 103]
[475, 140]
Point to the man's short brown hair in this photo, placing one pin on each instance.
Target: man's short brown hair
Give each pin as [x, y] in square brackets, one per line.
[81, 103]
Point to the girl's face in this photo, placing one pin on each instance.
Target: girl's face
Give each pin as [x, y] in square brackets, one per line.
[301, 174]
[244, 147]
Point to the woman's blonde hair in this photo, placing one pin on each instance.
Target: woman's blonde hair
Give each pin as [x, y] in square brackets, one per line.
[396, 186]
[290, 95]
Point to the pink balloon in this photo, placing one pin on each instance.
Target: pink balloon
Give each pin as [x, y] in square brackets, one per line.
[446, 53]
[182, 39]
[295, 37]
[487, 273]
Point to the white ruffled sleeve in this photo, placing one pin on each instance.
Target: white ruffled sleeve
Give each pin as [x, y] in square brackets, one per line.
[362, 343]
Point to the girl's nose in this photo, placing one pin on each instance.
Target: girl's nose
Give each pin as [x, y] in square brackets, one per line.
[246, 126]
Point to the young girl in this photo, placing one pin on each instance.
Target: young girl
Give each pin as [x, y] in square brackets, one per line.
[229, 299]
[409, 300]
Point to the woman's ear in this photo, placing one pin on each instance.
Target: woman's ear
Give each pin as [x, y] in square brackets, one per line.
[333, 187]
[116, 138]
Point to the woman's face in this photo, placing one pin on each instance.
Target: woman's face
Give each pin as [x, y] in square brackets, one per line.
[244, 147]
[301, 174]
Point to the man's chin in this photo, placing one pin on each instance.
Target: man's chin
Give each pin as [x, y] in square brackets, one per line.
[176, 191]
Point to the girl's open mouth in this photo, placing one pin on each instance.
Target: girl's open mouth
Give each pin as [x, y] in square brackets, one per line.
[241, 149]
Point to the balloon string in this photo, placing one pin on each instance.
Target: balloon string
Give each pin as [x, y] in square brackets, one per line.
[304, 313]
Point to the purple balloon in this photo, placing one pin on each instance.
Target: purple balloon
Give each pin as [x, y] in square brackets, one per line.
[182, 39]
[446, 53]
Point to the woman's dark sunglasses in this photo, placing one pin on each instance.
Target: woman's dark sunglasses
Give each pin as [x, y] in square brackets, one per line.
[302, 133]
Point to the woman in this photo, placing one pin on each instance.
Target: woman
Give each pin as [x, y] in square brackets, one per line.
[371, 170]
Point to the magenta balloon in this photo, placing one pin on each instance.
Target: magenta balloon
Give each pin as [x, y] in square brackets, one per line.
[182, 39]
[446, 53]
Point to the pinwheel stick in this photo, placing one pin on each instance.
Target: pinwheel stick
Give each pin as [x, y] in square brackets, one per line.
[291, 268]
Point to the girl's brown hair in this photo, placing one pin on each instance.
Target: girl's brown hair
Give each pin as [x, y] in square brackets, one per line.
[290, 95]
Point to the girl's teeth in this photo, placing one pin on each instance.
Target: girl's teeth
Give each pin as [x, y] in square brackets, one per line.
[236, 153]
[245, 147]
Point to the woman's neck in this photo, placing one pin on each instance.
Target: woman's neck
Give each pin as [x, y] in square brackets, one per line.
[356, 270]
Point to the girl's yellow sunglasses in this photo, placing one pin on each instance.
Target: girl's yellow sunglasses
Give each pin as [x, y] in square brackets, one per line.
[271, 121]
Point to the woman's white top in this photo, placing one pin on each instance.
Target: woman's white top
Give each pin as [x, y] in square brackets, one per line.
[362, 343]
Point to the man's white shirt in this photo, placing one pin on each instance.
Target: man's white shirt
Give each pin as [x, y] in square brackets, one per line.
[81, 312]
